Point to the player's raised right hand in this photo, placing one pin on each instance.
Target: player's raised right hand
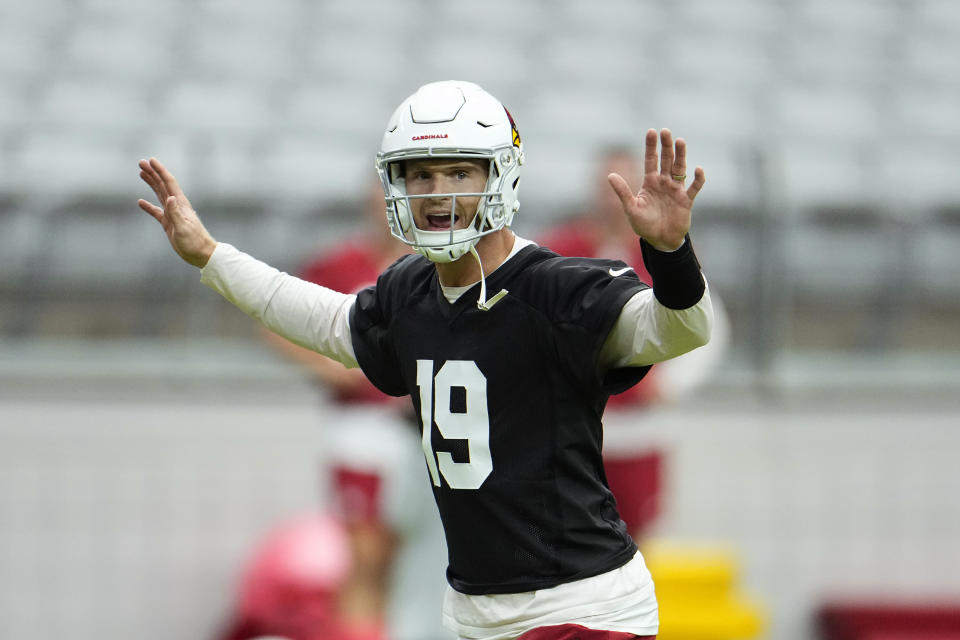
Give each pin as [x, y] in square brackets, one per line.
[187, 235]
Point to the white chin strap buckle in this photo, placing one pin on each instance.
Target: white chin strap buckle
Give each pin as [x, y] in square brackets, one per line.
[482, 303]
[486, 305]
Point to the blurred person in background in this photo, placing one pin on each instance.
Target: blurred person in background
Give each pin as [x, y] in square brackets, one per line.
[633, 463]
[289, 587]
[510, 388]
[373, 449]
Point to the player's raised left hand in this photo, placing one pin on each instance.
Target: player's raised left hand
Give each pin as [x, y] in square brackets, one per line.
[187, 235]
[660, 212]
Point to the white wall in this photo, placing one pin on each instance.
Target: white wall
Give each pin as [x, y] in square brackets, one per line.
[128, 503]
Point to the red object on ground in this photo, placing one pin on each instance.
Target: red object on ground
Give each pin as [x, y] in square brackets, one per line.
[577, 632]
[635, 480]
[289, 587]
[889, 621]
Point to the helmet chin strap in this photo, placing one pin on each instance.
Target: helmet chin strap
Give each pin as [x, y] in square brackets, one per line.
[482, 303]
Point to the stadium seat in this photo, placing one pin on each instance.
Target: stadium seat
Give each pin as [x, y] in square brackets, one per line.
[228, 167]
[714, 60]
[597, 62]
[366, 69]
[936, 17]
[56, 165]
[548, 193]
[920, 176]
[21, 232]
[112, 50]
[82, 104]
[35, 17]
[517, 19]
[175, 149]
[747, 20]
[627, 21]
[870, 18]
[156, 17]
[310, 168]
[833, 114]
[820, 171]
[927, 113]
[589, 118]
[923, 59]
[242, 53]
[22, 50]
[277, 16]
[86, 239]
[325, 111]
[498, 66]
[16, 102]
[811, 57]
[936, 258]
[208, 109]
[714, 117]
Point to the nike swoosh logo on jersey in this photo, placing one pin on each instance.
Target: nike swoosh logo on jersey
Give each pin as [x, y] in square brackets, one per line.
[619, 272]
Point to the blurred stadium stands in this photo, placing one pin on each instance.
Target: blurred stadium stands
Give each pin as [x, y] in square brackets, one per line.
[828, 130]
[830, 225]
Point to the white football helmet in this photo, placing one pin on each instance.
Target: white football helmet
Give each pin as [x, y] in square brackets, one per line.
[451, 119]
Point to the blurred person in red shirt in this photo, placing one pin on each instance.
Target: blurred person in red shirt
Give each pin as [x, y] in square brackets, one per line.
[376, 462]
[633, 463]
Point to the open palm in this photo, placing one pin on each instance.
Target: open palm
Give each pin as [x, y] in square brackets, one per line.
[187, 235]
[660, 212]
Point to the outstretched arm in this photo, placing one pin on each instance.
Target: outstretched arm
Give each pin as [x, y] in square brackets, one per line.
[309, 315]
[677, 316]
[660, 212]
[187, 235]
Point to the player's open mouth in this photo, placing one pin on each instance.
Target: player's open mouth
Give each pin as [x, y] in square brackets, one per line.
[437, 221]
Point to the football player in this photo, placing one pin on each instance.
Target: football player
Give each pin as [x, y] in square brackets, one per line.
[508, 351]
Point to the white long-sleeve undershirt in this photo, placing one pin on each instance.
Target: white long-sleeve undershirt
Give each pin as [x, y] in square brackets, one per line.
[318, 318]
[305, 313]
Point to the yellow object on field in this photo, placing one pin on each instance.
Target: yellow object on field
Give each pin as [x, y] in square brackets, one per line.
[697, 590]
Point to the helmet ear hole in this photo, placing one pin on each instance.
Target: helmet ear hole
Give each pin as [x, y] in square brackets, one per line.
[394, 187]
[402, 214]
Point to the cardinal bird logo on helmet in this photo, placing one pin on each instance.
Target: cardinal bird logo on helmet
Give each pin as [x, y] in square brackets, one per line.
[513, 127]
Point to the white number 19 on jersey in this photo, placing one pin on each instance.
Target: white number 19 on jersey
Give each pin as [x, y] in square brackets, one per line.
[472, 425]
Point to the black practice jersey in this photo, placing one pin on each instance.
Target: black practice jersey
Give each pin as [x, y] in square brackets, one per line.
[510, 402]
